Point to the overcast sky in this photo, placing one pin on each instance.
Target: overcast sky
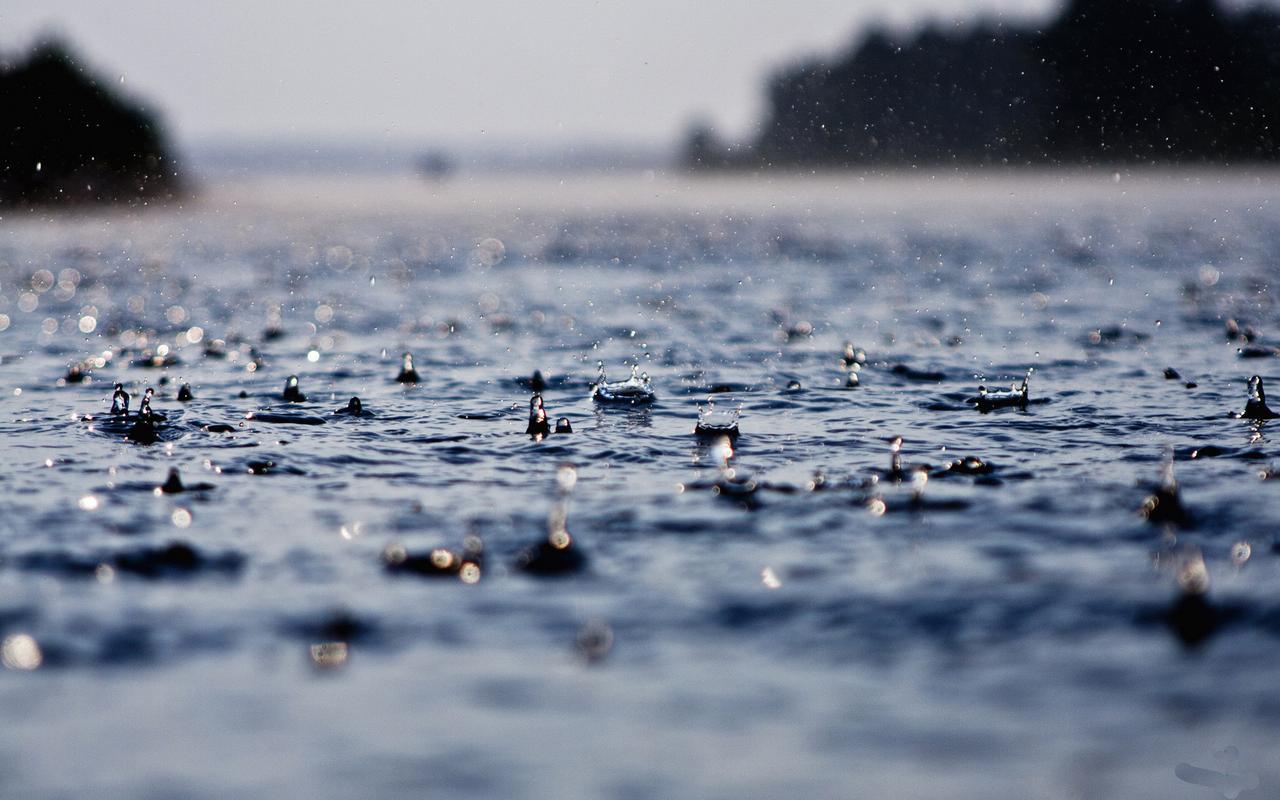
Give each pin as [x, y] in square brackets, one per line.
[516, 70]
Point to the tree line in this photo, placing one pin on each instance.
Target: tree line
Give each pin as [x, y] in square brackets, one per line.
[1105, 81]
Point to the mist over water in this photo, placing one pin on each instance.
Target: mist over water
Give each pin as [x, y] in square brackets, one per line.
[788, 615]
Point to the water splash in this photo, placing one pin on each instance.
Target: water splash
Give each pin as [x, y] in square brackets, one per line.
[143, 426]
[292, 391]
[854, 358]
[354, 408]
[1164, 505]
[407, 373]
[895, 472]
[120, 401]
[439, 562]
[729, 484]
[538, 426]
[76, 373]
[173, 484]
[634, 390]
[557, 554]
[1256, 407]
[1016, 396]
[714, 421]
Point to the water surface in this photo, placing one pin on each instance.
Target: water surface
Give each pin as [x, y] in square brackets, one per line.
[1011, 635]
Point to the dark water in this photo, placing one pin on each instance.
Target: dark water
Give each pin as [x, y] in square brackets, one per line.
[1010, 634]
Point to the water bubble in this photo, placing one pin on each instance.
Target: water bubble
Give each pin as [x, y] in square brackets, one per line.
[42, 281]
[469, 573]
[20, 651]
[395, 553]
[329, 655]
[339, 257]
[195, 334]
[1240, 553]
[181, 518]
[27, 302]
[324, 313]
[595, 640]
[176, 315]
[489, 253]
[313, 356]
[88, 324]
[442, 559]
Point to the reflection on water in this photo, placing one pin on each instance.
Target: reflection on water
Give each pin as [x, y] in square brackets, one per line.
[869, 589]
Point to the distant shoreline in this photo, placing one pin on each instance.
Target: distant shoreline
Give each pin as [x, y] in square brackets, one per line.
[1180, 82]
[585, 193]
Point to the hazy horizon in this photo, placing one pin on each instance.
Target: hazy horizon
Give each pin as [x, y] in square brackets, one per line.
[504, 73]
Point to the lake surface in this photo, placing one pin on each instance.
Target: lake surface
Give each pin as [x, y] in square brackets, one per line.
[835, 633]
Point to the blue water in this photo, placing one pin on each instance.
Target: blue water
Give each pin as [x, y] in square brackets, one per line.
[1016, 634]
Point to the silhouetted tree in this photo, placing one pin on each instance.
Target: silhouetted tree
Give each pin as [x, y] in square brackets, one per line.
[704, 150]
[1154, 80]
[64, 138]
[1107, 80]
